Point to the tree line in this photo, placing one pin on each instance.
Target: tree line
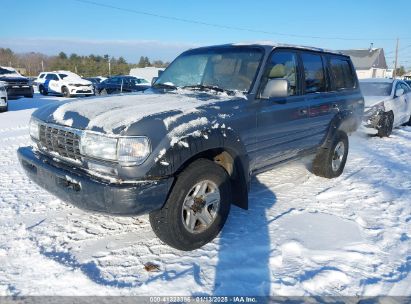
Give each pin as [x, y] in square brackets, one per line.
[86, 66]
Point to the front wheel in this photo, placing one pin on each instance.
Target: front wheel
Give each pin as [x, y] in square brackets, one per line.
[385, 125]
[43, 90]
[197, 207]
[330, 162]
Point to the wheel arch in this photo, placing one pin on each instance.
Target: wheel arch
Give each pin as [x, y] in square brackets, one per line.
[220, 146]
[345, 121]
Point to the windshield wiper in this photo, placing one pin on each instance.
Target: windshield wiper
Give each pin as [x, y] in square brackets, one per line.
[202, 87]
[164, 85]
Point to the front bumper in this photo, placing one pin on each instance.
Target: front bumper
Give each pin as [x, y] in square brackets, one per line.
[371, 123]
[87, 192]
[88, 90]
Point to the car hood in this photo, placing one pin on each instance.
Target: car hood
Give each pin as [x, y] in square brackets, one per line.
[371, 101]
[75, 80]
[115, 114]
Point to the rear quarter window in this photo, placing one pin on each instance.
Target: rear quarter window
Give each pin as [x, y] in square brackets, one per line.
[341, 74]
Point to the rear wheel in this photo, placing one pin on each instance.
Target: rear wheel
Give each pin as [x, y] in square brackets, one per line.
[43, 90]
[4, 109]
[386, 124]
[65, 91]
[103, 92]
[330, 162]
[197, 207]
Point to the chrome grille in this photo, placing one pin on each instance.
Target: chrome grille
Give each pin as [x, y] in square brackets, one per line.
[62, 141]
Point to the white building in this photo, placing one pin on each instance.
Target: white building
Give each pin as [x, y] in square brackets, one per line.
[146, 73]
[369, 63]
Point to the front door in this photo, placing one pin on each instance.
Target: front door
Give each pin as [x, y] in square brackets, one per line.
[282, 122]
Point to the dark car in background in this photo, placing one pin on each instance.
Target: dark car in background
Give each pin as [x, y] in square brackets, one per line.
[122, 84]
[16, 84]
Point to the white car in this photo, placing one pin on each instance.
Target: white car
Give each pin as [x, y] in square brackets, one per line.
[387, 105]
[4, 106]
[63, 82]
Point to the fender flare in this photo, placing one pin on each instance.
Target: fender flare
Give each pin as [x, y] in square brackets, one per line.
[345, 121]
[203, 145]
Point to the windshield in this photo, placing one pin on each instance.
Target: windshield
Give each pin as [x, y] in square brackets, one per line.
[230, 69]
[376, 88]
[140, 81]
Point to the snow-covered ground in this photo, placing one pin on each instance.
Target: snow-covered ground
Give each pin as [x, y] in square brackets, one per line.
[303, 235]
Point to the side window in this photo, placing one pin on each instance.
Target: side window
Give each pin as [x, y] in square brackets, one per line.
[405, 87]
[41, 76]
[313, 73]
[52, 77]
[341, 74]
[283, 65]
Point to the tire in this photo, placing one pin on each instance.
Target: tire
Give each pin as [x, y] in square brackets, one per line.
[65, 91]
[103, 92]
[385, 125]
[409, 122]
[43, 90]
[4, 109]
[171, 223]
[330, 162]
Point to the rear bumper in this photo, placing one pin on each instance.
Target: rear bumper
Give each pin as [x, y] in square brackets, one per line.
[21, 91]
[86, 192]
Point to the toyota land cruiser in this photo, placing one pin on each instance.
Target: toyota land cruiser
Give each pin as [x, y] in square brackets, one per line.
[186, 150]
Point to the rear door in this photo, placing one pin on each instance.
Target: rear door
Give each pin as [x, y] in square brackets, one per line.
[322, 100]
[282, 123]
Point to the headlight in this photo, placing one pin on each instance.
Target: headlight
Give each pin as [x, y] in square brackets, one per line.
[98, 146]
[34, 128]
[127, 151]
[133, 150]
[376, 109]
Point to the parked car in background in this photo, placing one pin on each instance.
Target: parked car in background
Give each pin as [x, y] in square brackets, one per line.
[95, 81]
[387, 105]
[65, 83]
[187, 149]
[407, 81]
[122, 84]
[4, 105]
[16, 84]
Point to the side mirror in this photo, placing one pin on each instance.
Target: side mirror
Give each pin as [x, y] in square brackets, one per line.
[278, 87]
[153, 80]
[399, 92]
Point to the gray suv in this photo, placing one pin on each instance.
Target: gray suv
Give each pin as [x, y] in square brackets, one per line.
[186, 149]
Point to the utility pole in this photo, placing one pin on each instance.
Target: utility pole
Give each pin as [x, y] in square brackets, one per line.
[394, 74]
[42, 66]
[109, 67]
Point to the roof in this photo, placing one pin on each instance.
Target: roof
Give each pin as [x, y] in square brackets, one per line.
[268, 45]
[366, 59]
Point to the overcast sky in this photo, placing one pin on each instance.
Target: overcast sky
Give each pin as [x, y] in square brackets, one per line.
[154, 28]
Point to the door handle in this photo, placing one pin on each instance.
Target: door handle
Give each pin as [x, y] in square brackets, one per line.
[302, 112]
[335, 107]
